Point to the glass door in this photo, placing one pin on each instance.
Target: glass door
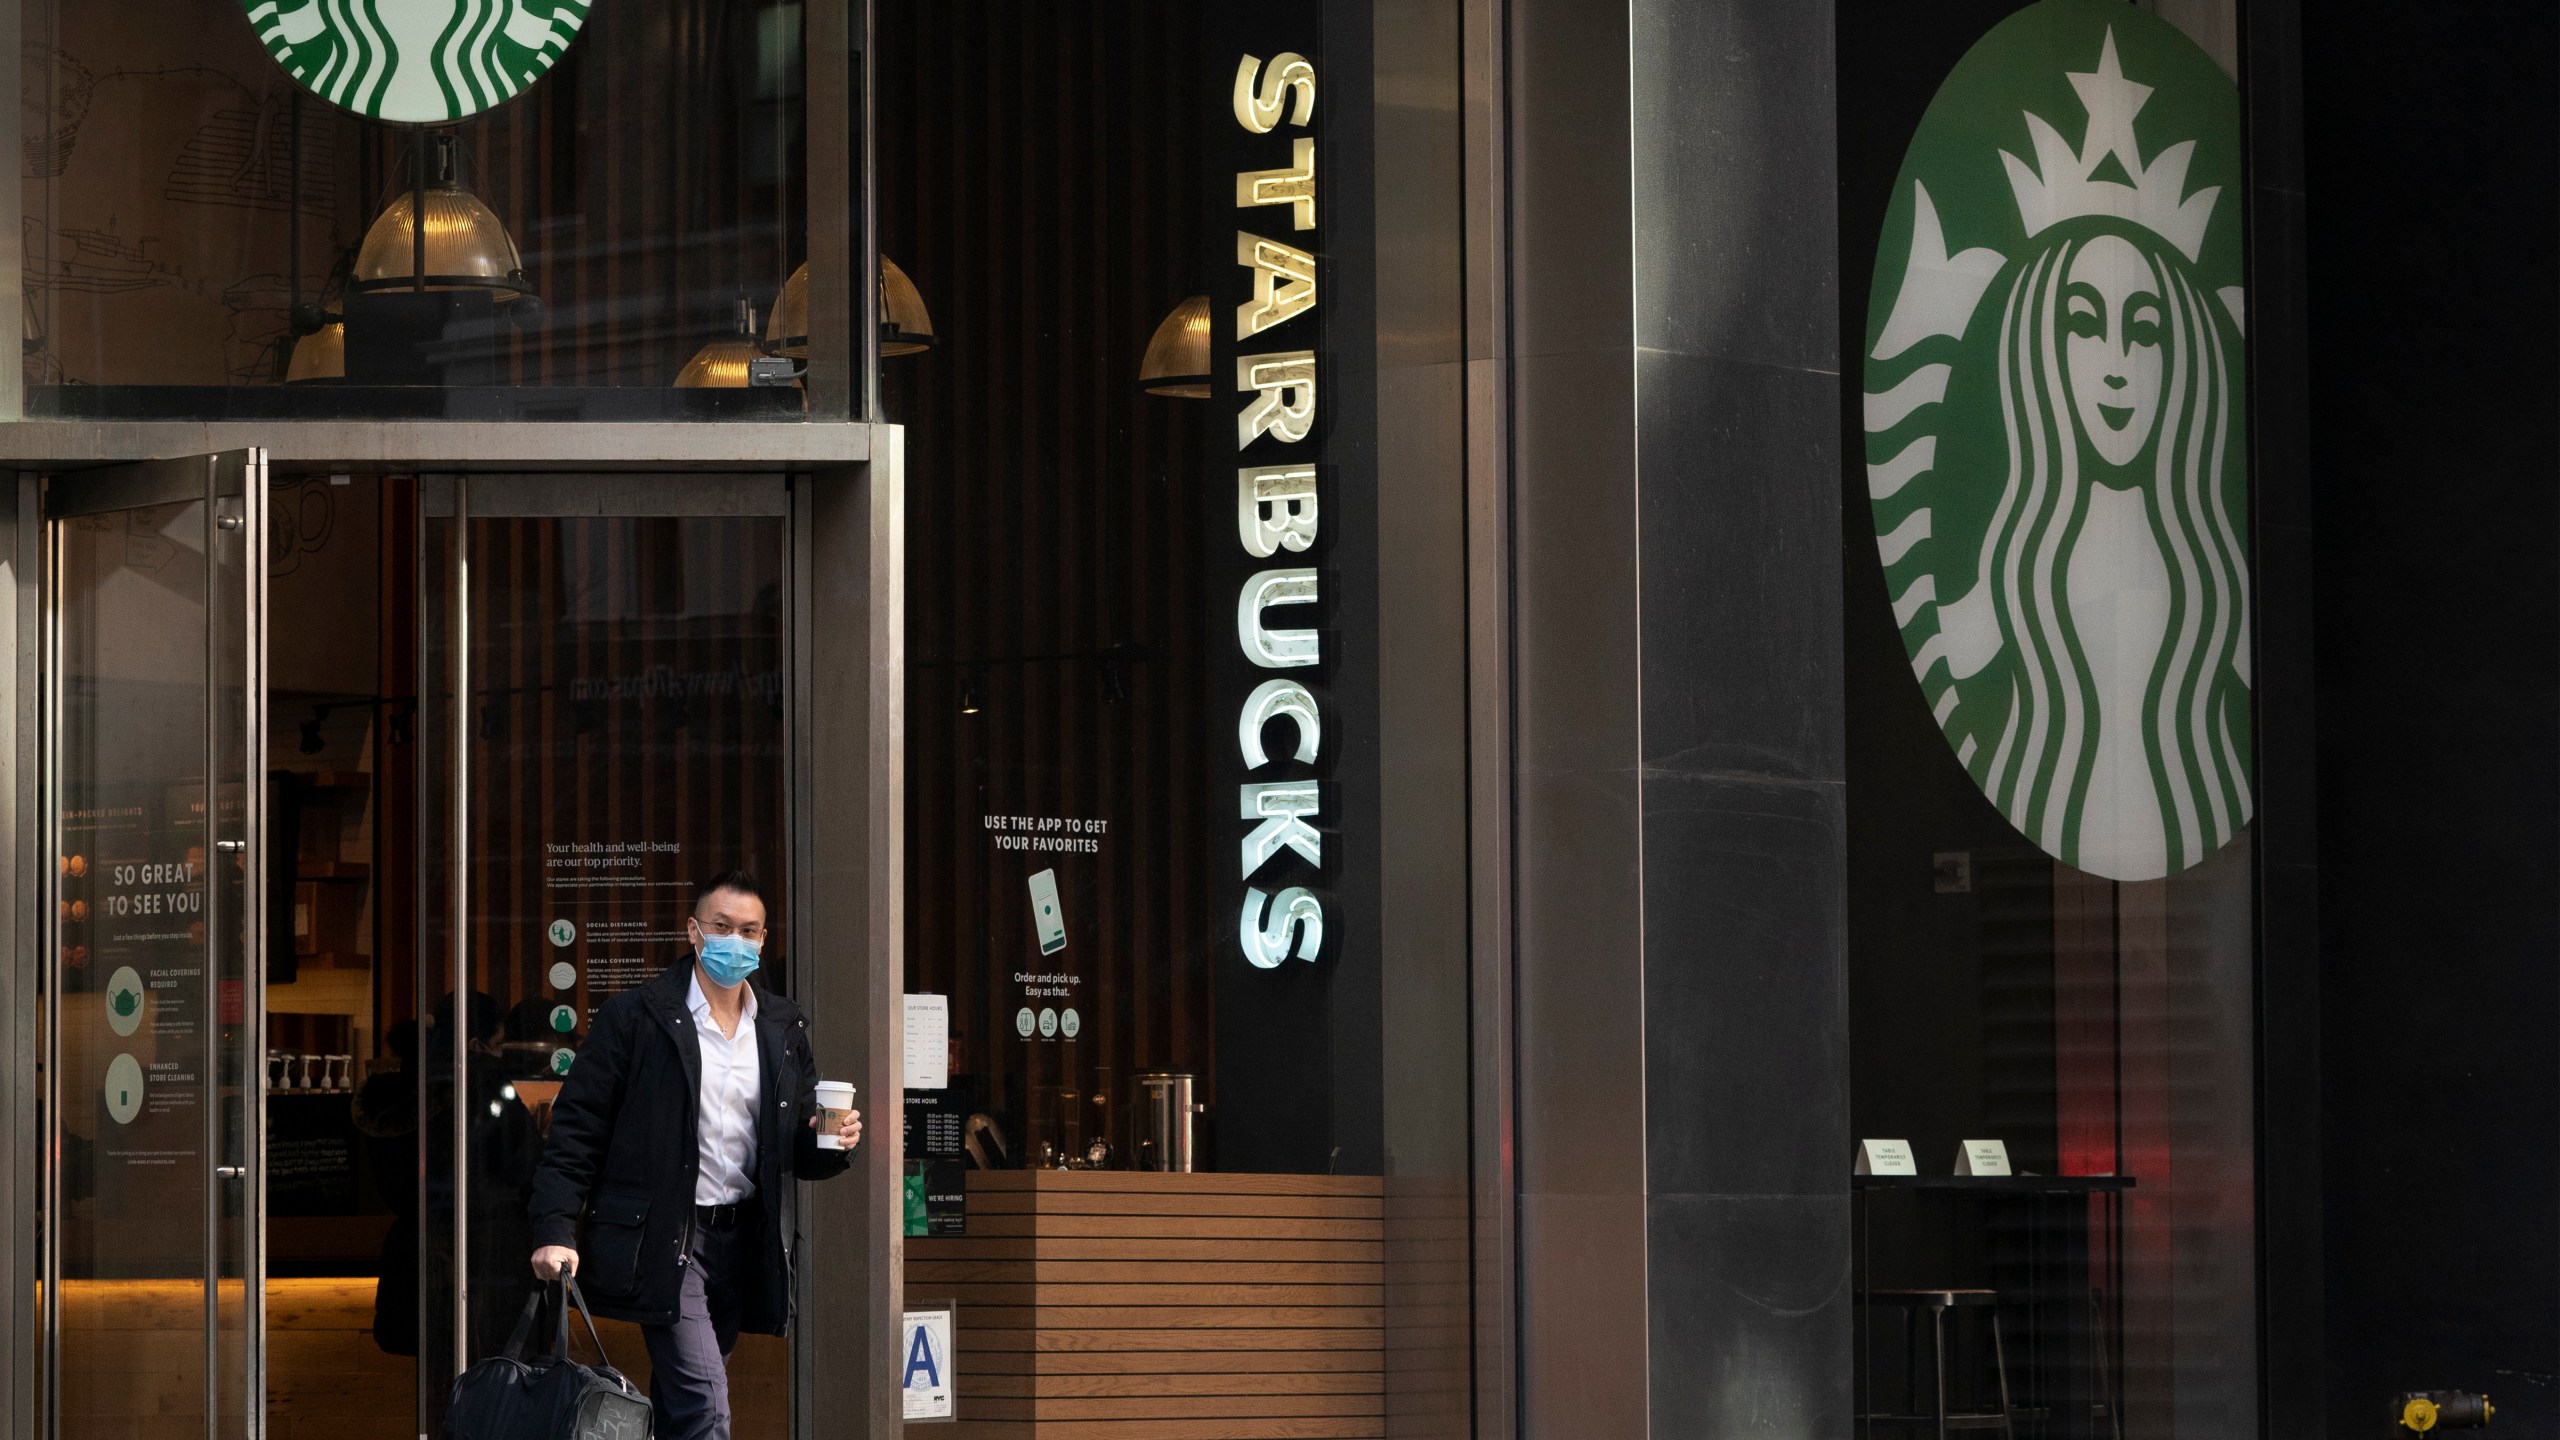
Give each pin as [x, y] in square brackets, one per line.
[605, 718]
[155, 937]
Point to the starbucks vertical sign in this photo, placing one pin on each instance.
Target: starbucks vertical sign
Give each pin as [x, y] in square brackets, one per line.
[417, 62]
[2055, 425]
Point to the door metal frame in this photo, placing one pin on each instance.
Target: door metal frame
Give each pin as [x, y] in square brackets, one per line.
[843, 786]
[231, 485]
[844, 484]
[848, 537]
[460, 499]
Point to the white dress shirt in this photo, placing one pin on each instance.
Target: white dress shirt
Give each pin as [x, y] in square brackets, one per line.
[732, 1086]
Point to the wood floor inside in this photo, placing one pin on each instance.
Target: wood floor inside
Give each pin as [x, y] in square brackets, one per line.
[133, 1364]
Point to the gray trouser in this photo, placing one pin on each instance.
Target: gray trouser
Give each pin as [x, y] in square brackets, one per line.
[689, 1360]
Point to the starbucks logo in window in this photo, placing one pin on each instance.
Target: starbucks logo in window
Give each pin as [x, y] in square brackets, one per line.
[420, 62]
[2055, 431]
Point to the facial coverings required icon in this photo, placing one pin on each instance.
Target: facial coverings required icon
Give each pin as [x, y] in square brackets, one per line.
[124, 1000]
[1044, 912]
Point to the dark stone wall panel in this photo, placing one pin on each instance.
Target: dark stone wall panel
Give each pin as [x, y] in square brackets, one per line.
[1733, 166]
[1752, 1292]
[1746, 1077]
[1741, 521]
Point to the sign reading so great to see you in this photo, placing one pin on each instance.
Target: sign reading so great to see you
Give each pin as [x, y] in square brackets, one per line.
[418, 62]
[2056, 434]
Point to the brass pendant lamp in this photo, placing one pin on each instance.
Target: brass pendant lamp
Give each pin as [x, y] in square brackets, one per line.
[1177, 358]
[905, 327]
[726, 363]
[461, 246]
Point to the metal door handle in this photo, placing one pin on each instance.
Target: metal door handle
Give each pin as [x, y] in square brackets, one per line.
[230, 845]
[231, 1172]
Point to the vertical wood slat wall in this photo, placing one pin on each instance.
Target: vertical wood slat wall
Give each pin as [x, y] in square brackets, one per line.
[1140, 1306]
[1042, 182]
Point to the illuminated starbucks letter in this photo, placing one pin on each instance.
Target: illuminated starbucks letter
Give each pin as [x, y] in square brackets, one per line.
[1266, 946]
[1275, 698]
[1284, 283]
[1283, 387]
[1290, 521]
[1294, 186]
[1258, 106]
[1278, 804]
[1276, 649]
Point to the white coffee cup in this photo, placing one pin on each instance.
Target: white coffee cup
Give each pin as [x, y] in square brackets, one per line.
[835, 1097]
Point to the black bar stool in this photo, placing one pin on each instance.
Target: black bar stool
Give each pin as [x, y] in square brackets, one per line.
[1937, 1303]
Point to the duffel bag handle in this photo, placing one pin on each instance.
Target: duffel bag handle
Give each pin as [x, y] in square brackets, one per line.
[524, 1326]
[569, 1282]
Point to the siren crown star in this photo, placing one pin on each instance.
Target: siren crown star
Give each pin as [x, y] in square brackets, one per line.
[2064, 185]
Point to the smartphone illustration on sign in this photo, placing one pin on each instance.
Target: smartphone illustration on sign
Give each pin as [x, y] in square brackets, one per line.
[1044, 912]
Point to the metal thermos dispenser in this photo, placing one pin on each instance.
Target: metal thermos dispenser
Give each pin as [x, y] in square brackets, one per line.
[1165, 1108]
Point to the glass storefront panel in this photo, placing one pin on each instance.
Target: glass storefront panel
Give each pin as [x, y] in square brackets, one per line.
[617, 200]
[624, 734]
[1184, 724]
[152, 1213]
[2051, 907]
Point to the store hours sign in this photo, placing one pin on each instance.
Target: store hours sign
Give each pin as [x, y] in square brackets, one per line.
[1277, 489]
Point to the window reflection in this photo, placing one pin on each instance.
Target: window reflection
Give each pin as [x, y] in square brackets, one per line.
[206, 237]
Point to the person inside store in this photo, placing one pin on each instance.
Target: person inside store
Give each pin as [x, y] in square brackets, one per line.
[667, 1183]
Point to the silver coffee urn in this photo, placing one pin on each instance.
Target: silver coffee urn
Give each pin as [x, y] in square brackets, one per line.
[1165, 1111]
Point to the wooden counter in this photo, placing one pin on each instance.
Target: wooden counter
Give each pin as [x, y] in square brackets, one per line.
[1163, 1307]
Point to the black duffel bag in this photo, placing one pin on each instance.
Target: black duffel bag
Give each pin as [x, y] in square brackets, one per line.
[550, 1396]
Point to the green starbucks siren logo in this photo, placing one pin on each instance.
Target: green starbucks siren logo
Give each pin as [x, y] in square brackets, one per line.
[2055, 434]
[419, 62]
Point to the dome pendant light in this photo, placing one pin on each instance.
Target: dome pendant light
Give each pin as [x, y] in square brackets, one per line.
[726, 363]
[464, 245]
[320, 355]
[905, 328]
[1177, 359]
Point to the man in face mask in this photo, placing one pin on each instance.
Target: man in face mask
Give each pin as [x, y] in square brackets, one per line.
[668, 1180]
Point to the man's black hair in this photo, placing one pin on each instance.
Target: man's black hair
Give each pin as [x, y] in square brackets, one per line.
[486, 1018]
[738, 880]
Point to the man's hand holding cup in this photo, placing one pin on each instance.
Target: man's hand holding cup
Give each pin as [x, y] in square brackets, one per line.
[838, 1124]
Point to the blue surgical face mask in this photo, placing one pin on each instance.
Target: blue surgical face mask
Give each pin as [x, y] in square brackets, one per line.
[728, 959]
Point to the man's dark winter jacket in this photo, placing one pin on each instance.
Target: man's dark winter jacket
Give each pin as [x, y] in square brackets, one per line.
[617, 1173]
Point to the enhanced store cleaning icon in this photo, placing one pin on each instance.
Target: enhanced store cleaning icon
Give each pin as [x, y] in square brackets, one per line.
[124, 1000]
[2055, 383]
[123, 1089]
[417, 62]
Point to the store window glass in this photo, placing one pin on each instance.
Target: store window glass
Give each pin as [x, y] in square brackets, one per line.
[1186, 842]
[2050, 739]
[623, 736]
[221, 207]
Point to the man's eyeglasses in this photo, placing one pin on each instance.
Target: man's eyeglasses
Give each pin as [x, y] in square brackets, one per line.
[724, 928]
